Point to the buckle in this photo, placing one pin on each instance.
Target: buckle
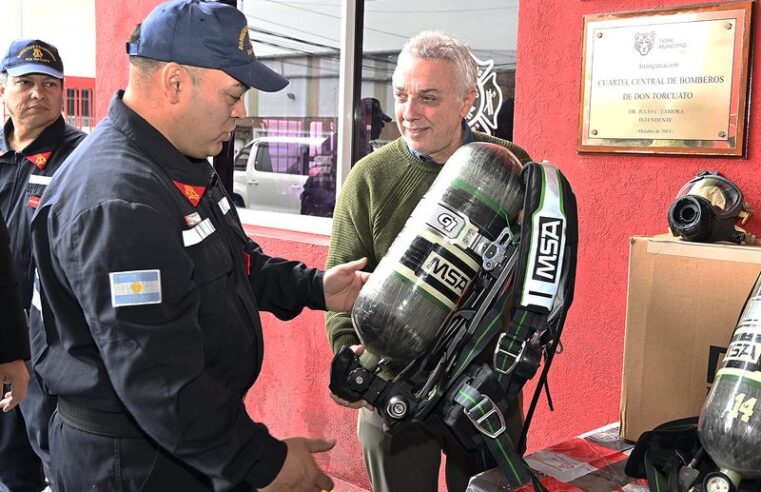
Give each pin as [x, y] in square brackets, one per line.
[494, 252]
[478, 423]
[501, 352]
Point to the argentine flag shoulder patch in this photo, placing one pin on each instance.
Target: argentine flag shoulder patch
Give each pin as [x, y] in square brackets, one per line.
[135, 288]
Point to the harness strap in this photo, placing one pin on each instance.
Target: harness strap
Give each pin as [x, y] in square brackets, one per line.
[662, 482]
[487, 418]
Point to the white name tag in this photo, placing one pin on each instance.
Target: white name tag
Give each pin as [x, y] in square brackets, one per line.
[198, 233]
[39, 180]
[224, 205]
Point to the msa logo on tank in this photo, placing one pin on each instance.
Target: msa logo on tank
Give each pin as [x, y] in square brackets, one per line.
[445, 272]
[548, 258]
[745, 348]
[437, 262]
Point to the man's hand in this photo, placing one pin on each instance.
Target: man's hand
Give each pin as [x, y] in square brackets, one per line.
[358, 349]
[15, 374]
[342, 283]
[300, 473]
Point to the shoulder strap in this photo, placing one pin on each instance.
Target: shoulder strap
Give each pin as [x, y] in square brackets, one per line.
[542, 293]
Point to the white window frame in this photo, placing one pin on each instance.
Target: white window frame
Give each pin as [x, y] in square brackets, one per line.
[306, 223]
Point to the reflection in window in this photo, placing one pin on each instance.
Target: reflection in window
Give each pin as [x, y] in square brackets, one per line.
[287, 145]
[307, 53]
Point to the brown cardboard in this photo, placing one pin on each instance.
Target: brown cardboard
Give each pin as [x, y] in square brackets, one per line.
[683, 302]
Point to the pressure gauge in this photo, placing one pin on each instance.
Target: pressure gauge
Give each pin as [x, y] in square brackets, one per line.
[718, 482]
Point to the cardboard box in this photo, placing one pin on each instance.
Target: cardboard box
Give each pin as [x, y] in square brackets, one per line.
[683, 303]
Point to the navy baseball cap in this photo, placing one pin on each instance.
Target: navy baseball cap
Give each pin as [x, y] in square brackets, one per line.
[372, 106]
[27, 56]
[207, 35]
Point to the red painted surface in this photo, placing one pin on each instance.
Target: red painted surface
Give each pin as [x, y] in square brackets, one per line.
[291, 395]
[619, 196]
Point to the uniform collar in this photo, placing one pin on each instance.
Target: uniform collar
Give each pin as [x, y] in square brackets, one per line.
[180, 168]
[45, 142]
[467, 137]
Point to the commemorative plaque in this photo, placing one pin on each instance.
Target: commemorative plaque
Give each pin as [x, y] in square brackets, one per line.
[667, 81]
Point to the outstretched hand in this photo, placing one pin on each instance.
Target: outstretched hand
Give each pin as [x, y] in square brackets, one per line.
[342, 284]
[15, 374]
[300, 473]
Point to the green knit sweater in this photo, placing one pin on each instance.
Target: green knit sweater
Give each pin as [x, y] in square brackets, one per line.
[378, 197]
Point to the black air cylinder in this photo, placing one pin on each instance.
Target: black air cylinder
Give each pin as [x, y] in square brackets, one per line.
[437, 254]
[730, 423]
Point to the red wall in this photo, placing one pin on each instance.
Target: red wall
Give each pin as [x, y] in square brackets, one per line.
[291, 395]
[114, 22]
[619, 196]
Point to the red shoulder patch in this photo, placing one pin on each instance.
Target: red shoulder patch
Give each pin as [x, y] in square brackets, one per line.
[192, 193]
[40, 160]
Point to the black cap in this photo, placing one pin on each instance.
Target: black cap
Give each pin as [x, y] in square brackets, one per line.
[27, 56]
[370, 105]
[207, 35]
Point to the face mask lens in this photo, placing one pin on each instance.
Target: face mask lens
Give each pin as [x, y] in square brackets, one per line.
[723, 196]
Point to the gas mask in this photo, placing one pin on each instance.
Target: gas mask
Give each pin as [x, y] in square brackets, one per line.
[707, 209]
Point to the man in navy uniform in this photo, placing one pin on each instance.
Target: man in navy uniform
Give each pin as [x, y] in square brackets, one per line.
[34, 142]
[150, 288]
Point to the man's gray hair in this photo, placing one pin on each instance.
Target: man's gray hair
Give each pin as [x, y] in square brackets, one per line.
[436, 45]
[4, 78]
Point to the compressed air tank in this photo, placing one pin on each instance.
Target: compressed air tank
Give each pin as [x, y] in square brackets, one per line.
[437, 254]
[730, 422]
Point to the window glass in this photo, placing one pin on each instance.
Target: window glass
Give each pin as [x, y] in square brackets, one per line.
[85, 107]
[286, 147]
[71, 107]
[488, 27]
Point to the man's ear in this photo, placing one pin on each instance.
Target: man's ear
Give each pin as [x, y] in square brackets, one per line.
[468, 103]
[172, 81]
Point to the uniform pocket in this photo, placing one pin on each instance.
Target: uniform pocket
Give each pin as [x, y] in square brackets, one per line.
[210, 255]
[34, 190]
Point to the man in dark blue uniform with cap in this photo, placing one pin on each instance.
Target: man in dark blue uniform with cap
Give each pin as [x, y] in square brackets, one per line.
[151, 290]
[34, 142]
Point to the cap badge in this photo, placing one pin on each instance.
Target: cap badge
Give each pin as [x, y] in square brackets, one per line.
[244, 42]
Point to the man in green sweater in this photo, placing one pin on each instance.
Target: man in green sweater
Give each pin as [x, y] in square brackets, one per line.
[434, 88]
